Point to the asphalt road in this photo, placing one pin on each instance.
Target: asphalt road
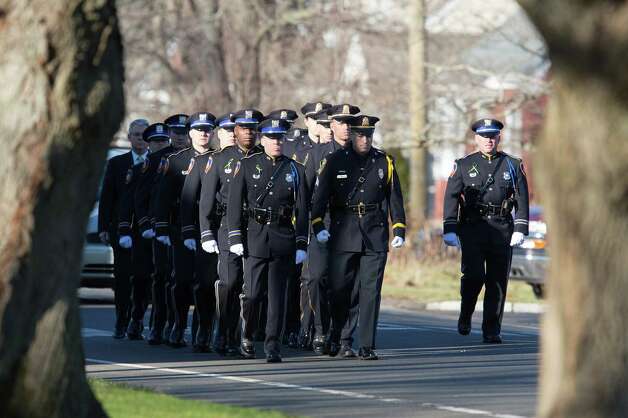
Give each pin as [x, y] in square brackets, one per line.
[425, 370]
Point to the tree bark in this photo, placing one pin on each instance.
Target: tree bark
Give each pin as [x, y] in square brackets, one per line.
[582, 170]
[416, 77]
[62, 101]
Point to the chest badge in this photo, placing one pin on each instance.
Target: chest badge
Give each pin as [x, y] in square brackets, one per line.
[258, 172]
[289, 178]
[228, 169]
[380, 173]
[507, 176]
[474, 171]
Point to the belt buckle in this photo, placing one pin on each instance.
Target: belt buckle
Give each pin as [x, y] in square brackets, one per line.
[361, 209]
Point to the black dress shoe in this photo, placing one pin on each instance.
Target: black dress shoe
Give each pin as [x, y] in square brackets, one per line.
[201, 345]
[368, 354]
[464, 326]
[319, 345]
[492, 339]
[247, 349]
[165, 336]
[119, 333]
[347, 352]
[154, 338]
[293, 340]
[305, 341]
[273, 357]
[134, 331]
[334, 349]
[177, 338]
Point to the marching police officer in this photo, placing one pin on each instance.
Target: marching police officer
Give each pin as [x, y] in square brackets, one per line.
[137, 217]
[117, 175]
[194, 272]
[162, 303]
[272, 188]
[360, 186]
[482, 191]
[213, 207]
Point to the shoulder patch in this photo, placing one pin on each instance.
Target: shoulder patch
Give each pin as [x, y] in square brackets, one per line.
[454, 169]
[208, 166]
[523, 171]
[129, 176]
[322, 165]
[237, 168]
[162, 163]
[190, 167]
[145, 165]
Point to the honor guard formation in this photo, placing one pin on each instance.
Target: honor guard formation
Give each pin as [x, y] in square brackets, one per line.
[280, 234]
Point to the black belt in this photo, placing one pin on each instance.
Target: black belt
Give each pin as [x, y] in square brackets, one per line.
[361, 208]
[269, 215]
[483, 210]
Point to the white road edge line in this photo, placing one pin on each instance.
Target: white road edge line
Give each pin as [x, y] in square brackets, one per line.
[344, 393]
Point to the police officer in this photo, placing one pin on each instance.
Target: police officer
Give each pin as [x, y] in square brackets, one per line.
[194, 272]
[482, 191]
[213, 205]
[271, 186]
[117, 173]
[224, 131]
[337, 119]
[360, 186]
[137, 218]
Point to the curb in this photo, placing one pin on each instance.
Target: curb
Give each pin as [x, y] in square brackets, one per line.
[454, 306]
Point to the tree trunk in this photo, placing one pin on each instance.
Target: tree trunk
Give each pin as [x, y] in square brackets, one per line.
[416, 76]
[61, 101]
[583, 172]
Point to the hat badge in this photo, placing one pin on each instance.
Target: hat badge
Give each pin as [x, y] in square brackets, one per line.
[487, 122]
[248, 114]
[345, 109]
[319, 107]
[365, 121]
[159, 129]
[275, 123]
[181, 119]
[202, 116]
[284, 114]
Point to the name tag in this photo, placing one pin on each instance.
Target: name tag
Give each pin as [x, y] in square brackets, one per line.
[341, 176]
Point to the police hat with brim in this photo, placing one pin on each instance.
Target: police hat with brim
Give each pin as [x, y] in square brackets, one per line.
[364, 125]
[310, 109]
[156, 132]
[274, 128]
[322, 118]
[202, 120]
[178, 122]
[283, 114]
[487, 127]
[343, 112]
[248, 117]
[225, 121]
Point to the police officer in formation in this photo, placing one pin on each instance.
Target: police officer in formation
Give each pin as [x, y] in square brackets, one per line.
[483, 189]
[231, 223]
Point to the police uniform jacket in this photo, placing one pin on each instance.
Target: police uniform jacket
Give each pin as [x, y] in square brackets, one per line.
[269, 186]
[361, 193]
[216, 181]
[117, 171]
[315, 158]
[484, 189]
[191, 195]
[173, 174]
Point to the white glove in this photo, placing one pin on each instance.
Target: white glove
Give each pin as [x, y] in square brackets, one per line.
[125, 241]
[190, 244]
[397, 242]
[148, 234]
[322, 236]
[516, 239]
[210, 246]
[165, 240]
[301, 256]
[237, 249]
[451, 239]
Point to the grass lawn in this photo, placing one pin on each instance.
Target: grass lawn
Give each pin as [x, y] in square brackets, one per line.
[434, 281]
[121, 401]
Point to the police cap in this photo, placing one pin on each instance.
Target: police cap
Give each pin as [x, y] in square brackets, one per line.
[156, 132]
[202, 120]
[310, 108]
[283, 114]
[274, 127]
[343, 112]
[364, 124]
[225, 121]
[248, 117]
[487, 127]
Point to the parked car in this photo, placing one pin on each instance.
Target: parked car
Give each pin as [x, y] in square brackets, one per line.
[97, 270]
[529, 262]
